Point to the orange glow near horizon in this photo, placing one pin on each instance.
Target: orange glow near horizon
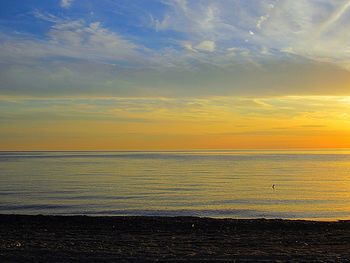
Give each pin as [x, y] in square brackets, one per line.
[178, 124]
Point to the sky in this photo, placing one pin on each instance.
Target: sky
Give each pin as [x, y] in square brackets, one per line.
[174, 74]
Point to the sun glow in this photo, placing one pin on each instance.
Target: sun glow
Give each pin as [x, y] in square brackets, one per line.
[177, 123]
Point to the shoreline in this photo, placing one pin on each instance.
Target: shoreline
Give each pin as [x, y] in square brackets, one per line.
[151, 215]
[42, 238]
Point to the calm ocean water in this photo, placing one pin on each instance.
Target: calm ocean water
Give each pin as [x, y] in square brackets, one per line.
[238, 184]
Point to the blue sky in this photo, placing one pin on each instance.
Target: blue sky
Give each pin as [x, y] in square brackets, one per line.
[173, 48]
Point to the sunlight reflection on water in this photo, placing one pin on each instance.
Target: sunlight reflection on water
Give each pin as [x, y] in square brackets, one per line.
[309, 184]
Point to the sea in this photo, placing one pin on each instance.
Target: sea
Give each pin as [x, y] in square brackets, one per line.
[288, 184]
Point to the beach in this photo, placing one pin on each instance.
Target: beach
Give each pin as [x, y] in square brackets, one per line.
[27, 238]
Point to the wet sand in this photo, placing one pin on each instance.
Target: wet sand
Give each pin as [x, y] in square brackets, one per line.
[170, 239]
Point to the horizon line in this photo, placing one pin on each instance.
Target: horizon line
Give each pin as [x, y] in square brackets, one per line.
[185, 150]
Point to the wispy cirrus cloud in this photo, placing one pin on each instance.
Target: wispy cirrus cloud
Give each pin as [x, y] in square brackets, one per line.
[312, 29]
[68, 38]
[66, 3]
[203, 48]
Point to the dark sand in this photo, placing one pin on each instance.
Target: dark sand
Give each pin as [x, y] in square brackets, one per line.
[170, 239]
